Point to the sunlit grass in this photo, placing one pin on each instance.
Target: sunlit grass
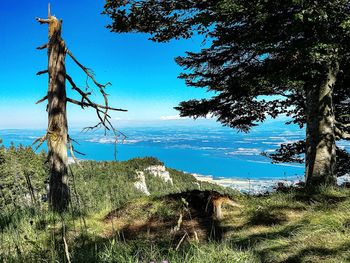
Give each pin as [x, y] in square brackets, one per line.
[294, 226]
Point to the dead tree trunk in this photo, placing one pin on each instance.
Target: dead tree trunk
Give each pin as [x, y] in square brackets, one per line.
[57, 131]
[57, 119]
[320, 132]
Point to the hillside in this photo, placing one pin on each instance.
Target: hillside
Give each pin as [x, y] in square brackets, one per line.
[112, 218]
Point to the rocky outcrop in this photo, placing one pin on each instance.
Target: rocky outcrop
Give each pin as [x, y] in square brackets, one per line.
[161, 172]
[140, 184]
[154, 170]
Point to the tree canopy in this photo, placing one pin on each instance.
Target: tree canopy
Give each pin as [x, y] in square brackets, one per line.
[262, 59]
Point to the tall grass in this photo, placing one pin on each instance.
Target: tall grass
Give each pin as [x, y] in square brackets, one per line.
[294, 226]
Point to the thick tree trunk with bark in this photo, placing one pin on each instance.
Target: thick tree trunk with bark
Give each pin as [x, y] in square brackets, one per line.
[320, 132]
[57, 118]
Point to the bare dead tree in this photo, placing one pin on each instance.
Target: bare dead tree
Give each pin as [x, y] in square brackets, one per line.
[57, 136]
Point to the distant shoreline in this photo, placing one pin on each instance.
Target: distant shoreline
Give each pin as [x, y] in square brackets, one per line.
[251, 186]
[256, 186]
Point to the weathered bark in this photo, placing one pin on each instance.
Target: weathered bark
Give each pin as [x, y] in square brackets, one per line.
[218, 201]
[57, 131]
[320, 132]
[57, 118]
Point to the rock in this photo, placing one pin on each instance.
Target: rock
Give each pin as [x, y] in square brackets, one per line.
[154, 170]
[161, 172]
[141, 183]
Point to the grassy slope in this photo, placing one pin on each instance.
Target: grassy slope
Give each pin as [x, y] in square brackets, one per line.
[282, 227]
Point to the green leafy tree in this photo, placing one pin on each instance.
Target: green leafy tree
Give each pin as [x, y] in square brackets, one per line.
[262, 59]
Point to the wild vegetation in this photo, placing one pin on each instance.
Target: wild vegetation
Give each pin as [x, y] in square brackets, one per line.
[109, 220]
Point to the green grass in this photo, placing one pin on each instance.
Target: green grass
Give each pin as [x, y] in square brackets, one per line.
[282, 227]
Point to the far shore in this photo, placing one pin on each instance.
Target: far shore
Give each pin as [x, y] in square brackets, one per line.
[257, 186]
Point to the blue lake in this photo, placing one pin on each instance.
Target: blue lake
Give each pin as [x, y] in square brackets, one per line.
[219, 152]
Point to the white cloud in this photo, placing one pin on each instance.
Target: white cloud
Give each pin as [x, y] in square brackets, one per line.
[171, 118]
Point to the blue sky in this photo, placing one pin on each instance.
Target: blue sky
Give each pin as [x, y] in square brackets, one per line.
[143, 73]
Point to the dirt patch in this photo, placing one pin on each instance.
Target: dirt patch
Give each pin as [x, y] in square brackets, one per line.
[183, 216]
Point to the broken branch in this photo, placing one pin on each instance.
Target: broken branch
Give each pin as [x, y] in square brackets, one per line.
[43, 46]
[42, 21]
[90, 74]
[42, 72]
[93, 105]
[103, 116]
[87, 71]
[41, 100]
[40, 140]
[71, 150]
[83, 94]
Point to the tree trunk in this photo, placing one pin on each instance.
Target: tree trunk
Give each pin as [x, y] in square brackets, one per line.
[320, 136]
[57, 119]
